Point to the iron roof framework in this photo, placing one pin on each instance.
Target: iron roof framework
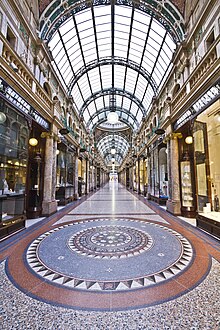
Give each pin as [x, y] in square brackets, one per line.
[110, 141]
[119, 49]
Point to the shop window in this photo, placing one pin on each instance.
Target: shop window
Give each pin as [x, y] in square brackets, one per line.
[65, 176]
[210, 40]
[11, 37]
[46, 87]
[176, 89]
[13, 167]
[14, 140]
[70, 122]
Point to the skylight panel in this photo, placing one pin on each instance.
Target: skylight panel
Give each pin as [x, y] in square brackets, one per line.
[146, 103]
[66, 26]
[134, 109]
[92, 109]
[119, 51]
[102, 11]
[71, 35]
[141, 17]
[154, 44]
[86, 115]
[83, 16]
[134, 55]
[126, 103]
[99, 103]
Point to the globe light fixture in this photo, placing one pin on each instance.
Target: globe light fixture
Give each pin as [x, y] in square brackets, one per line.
[113, 151]
[189, 139]
[112, 117]
[113, 159]
[33, 142]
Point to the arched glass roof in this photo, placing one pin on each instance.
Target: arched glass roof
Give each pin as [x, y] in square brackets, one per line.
[110, 141]
[109, 51]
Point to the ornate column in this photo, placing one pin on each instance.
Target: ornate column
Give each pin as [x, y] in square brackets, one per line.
[87, 177]
[138, 178]
[173, 203]
[149, 173]
[49, 204]
[54, 169]
[76, 194]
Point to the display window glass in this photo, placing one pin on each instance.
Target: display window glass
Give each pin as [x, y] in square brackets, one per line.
[14, 133]
[65, 175]
[163, 176]
[206, 145]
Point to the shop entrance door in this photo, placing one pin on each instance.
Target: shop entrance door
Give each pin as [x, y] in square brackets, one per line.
[201, 156]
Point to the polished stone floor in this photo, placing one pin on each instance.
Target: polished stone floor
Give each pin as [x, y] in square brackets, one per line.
[110, 261]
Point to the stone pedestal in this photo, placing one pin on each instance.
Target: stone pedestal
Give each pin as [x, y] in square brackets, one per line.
[49, 208]
[173, 207]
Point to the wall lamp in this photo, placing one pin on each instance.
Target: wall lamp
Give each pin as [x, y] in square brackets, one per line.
[2, 117]
[64, 131]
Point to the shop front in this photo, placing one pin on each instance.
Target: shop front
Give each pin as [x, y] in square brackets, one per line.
[158, 185]
[65, 174]
[206, 135]
[14, 133]
[82, 176]
[21, 160]
[199, 160]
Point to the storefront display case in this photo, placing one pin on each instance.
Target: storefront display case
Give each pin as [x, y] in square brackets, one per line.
[65, 190]
[187, 192]
[158, 174]
[13, 169]
[206, 144]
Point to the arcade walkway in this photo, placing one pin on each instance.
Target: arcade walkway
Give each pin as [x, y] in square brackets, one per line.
[111, 261]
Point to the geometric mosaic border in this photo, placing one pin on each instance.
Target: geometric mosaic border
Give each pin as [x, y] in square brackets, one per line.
[77, 283]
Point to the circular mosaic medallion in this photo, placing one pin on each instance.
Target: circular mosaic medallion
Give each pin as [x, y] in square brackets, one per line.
[95, 254]
[110, 241]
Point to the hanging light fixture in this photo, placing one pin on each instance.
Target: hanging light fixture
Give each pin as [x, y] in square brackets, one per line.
[113, 151]
[33, 142]
[112, 117]
[189, 139]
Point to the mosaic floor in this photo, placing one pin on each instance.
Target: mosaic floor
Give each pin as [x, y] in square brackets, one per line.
[110, 261]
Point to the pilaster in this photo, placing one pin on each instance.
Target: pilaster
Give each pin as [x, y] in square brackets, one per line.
[173, 203]
[49, 204]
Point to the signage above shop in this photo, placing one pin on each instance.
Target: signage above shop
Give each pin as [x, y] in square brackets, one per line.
[209, 97]
[10, 94]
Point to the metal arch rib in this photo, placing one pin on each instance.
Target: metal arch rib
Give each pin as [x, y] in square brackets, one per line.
[118, 133]
[109, 91]
[104, 119]
[113, 61]
[117, 109]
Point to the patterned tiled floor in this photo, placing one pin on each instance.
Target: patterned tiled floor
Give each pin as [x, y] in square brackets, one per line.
[110, 261]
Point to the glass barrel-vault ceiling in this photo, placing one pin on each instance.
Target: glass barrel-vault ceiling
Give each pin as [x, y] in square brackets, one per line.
[112, 50]
[110, 141]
